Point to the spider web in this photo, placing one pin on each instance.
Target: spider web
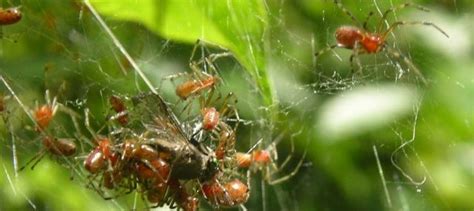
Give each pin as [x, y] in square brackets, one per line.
[81, 63]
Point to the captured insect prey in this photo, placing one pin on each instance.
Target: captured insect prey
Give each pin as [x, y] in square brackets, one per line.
[163, 129]
[154, 153]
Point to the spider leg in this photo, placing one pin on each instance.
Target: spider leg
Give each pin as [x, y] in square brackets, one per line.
[400, 23]
[395, 8]
[87, 124]
[229, 110]
[48, 98]
[210, 60]
[285, 162]
[324, 50]
[172, 78]
[355, 57]
[216, 56]
[148, 164]
[207, 101]
[196, 70]
[207, 61]
[92, 186]
[226, 195]
[346, 11]
[292, 173]
[37, 158]
[364, 25]
[407, 61]
[188, 106]
[201, 43]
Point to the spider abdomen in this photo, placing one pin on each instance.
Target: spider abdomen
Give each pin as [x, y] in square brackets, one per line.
[9, 16]
[348, 36]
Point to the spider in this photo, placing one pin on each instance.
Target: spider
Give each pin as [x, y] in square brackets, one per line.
[189, 160]
[201, 85]
[204, 74]
[362, 41]
[194, 87]
[225, 147]
[264, 160]
[42, 116]
[219, 190]
[58, 147]
[103, 159]
[203, 78]
[216, 121]
[10, 15]
[119, 107]
[100, 157]
[126, 165]
[45, 113]
[182, 197]
[221, 193]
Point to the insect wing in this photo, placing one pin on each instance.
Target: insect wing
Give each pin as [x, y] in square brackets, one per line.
[150, 113]
[158, 122]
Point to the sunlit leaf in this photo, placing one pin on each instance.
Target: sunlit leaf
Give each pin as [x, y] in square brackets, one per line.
[363, 109]
[236, 25]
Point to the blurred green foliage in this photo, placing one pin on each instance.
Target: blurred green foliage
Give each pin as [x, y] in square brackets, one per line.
[236, 25]
[58, 45]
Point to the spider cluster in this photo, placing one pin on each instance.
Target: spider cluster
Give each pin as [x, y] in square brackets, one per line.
[145, 147]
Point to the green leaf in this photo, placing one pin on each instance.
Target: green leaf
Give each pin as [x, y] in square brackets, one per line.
[364, 109]
[237, 25]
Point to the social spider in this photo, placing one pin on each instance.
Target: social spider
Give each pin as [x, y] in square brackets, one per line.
[264, 160]
[57, 147]
[42, 116]
[200, 79]
[203, 78]
[225, 192]
[362, 41]
[119, 107]
[215, 109]
[45, 113]
[10, 15]
[190, 160]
